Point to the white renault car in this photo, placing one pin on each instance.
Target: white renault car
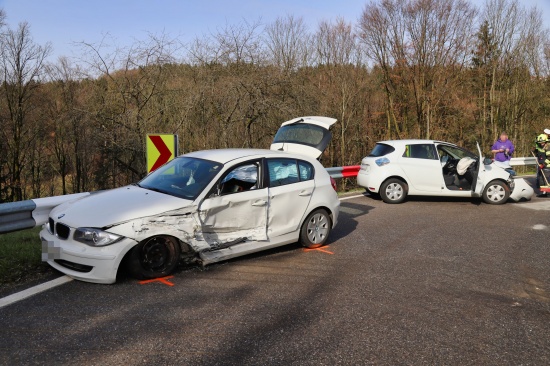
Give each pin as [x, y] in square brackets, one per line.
[206, 206]
[397, 168]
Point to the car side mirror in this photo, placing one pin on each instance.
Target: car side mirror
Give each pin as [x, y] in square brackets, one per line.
[487, 161]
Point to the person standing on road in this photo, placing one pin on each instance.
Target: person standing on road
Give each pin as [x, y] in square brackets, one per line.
[503, 148]
[542, 152]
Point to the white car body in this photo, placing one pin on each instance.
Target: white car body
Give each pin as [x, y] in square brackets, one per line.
[425, 173]
[213, 226]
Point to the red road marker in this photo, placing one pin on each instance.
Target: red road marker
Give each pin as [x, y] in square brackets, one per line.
[161, 280]
[320, 249]
[165, 153]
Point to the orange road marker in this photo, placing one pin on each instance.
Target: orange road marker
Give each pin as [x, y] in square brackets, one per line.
[160, 279]
[320, 249]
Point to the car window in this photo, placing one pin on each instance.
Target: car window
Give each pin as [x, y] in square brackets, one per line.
[241, 179]
[306, 170]
[381, 150]
[182, 177]
[420, 151]
[282, 172]
[454, 152]
[301, 133]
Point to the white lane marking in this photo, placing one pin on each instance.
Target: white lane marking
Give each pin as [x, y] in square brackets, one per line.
[540, 227]
[18, 296]
[350, 197]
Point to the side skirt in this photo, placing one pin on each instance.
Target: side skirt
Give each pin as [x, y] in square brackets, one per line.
[238, 250]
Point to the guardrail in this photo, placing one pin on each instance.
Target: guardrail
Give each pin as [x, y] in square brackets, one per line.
[523, 161]
[22, 215]
[344, 171]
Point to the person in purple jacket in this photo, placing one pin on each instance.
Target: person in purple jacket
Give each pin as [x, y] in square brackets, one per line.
[503, 148]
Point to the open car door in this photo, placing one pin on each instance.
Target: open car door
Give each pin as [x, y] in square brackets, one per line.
[479, 184]
[308, 136]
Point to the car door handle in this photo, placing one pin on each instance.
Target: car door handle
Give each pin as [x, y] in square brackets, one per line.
[305, 193]
[259, 203]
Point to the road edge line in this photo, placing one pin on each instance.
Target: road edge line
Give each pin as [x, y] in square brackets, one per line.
[18, 296]
[350, 197]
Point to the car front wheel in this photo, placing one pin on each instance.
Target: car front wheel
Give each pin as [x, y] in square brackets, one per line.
[393, 191]
[316, 229]
[154, 257]
[496, 193]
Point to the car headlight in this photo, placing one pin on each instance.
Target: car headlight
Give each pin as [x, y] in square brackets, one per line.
[382, 161]
[95, 237]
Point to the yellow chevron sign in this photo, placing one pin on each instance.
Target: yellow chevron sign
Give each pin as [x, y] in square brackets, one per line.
[161, 148]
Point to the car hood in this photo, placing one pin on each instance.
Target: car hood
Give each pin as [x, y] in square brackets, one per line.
[108, 208]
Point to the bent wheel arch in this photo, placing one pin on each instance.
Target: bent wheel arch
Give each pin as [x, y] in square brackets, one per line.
[156, 256]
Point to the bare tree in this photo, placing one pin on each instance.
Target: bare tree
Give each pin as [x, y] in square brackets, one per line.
[22, 64]
[288, 42]
[336, 43]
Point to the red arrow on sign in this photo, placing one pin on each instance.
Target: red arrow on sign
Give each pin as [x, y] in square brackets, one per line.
[165, 153]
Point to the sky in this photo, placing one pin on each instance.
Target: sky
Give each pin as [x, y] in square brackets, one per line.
[65, 23]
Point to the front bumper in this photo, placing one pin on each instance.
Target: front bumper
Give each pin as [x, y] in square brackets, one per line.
[521, 191]
[84, 262]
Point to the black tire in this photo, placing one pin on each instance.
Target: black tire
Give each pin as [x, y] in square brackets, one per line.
[316, 229]
[496, 192]
[154, 257]
[393, 191]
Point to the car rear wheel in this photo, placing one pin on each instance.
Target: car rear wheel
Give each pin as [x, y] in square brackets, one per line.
[393, 191]
[496, 193]
[316, 229]
[154, 257]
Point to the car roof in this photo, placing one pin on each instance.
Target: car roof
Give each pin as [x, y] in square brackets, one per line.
[413, 141]
[225, 155]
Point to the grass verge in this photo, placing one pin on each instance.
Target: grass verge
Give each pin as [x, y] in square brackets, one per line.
[21, 256]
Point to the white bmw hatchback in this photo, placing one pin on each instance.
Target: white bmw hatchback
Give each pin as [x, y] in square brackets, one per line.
[397, 168]
[206, 206]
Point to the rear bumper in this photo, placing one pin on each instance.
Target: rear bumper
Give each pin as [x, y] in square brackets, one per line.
[370, 181]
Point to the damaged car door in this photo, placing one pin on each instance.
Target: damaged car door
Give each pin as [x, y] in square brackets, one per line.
[236, 210]
[291, 185]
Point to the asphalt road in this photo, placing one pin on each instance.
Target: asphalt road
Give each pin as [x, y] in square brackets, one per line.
[430, 281]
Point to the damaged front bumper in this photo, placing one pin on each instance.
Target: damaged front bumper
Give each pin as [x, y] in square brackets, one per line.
[521, 190]
[84, 262]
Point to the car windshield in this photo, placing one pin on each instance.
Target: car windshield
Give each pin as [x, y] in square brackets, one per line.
[455, 152]
[381, 150]
[182, 177]
[300, 133]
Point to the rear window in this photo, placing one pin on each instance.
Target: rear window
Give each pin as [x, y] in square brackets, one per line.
[300, 133]
[381, 150]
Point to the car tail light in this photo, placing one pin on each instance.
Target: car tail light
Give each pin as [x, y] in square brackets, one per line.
[333, 184]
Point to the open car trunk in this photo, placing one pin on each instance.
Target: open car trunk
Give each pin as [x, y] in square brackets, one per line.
[308, 136]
